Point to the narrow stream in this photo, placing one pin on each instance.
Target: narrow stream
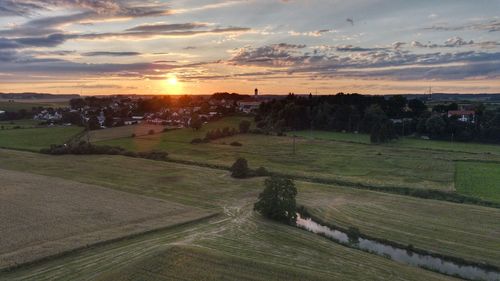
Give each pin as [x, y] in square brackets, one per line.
[402, 255]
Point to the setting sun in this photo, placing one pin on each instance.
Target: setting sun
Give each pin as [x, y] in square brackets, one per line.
[172, 81]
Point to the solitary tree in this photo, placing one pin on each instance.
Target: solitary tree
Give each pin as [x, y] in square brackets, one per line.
[240, 168]
[277, 201]
[196, 122]
[244, 126]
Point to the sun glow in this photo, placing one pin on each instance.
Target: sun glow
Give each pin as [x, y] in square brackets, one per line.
[172, 81]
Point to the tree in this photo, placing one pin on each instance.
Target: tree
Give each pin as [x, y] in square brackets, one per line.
[435, 125]
[244, 126]
[277, 201]
[240, 168]
[382, 132]
[196, 122]
[417, 107]
[93, 123]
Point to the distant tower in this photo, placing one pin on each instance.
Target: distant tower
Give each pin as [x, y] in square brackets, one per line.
[256, 92]
[430, 93]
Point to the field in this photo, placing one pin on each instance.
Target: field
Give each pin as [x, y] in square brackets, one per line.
[406, 142]
[35, 139]
[238, 244]
[43, 216]
[22, 123]
[124, 131]
[479, 180]
[470, 232]
[29, 104]
[380, 165]
[242, 233]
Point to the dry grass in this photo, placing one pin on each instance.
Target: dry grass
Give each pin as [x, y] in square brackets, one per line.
[43, 216]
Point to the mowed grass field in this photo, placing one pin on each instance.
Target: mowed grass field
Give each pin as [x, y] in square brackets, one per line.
[124, 132]
[43, 216]
[406, 142]
[35, 139]
[479, 180]
[17, 105]
[381, 165]
[240, 234]
[466, 231]
[22, 123]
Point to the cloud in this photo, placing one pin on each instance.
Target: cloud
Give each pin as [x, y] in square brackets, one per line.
[490, 26]
[281, 55]
[455, 42]
[351, 48]
[381, 62]
[166, 27]
[110, 54]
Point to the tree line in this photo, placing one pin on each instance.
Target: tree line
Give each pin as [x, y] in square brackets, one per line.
[384, 118]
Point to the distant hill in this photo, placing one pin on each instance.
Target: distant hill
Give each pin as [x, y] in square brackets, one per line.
[35, 96]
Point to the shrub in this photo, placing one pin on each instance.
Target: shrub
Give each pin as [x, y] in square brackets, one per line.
[240, 168]
[261, 172]
[277, 201]
[244, 126]
[133, 135]
[151, 132]
[235, 143]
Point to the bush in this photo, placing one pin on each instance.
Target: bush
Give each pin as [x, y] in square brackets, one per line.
[240, 168]
[277, 201]
[151, 132]
[244, 126]
[235, 143]
[133, 135]
[261, 172]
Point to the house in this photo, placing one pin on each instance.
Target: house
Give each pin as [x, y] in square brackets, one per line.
[248, 105]
[463, 115]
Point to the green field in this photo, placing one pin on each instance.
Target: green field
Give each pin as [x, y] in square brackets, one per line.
[18, 105]
[470, 232]
[22, 123]
[406, 142]
[243, 243]
[381, 165]
[460, 230]
[479, 180]
[36, 138]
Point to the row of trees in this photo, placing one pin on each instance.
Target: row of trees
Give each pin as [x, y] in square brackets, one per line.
[383, 118]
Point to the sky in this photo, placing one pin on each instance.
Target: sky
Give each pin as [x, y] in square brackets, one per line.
[278, 46]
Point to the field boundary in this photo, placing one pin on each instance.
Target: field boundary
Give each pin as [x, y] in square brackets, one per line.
[105, 242]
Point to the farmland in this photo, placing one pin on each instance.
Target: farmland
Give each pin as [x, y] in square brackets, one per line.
[379, 165]
[124, 132]
[20, 124]
[34, 139]
[243, 242]
[479, 180]
[427, 224]
[241, 235]
[29, 104]
[238, 244]
[64, 215]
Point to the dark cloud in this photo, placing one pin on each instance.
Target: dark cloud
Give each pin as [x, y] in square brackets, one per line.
[351, 48]
[324, 63]
[166, 27]
[273, 55]
[110, 54]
